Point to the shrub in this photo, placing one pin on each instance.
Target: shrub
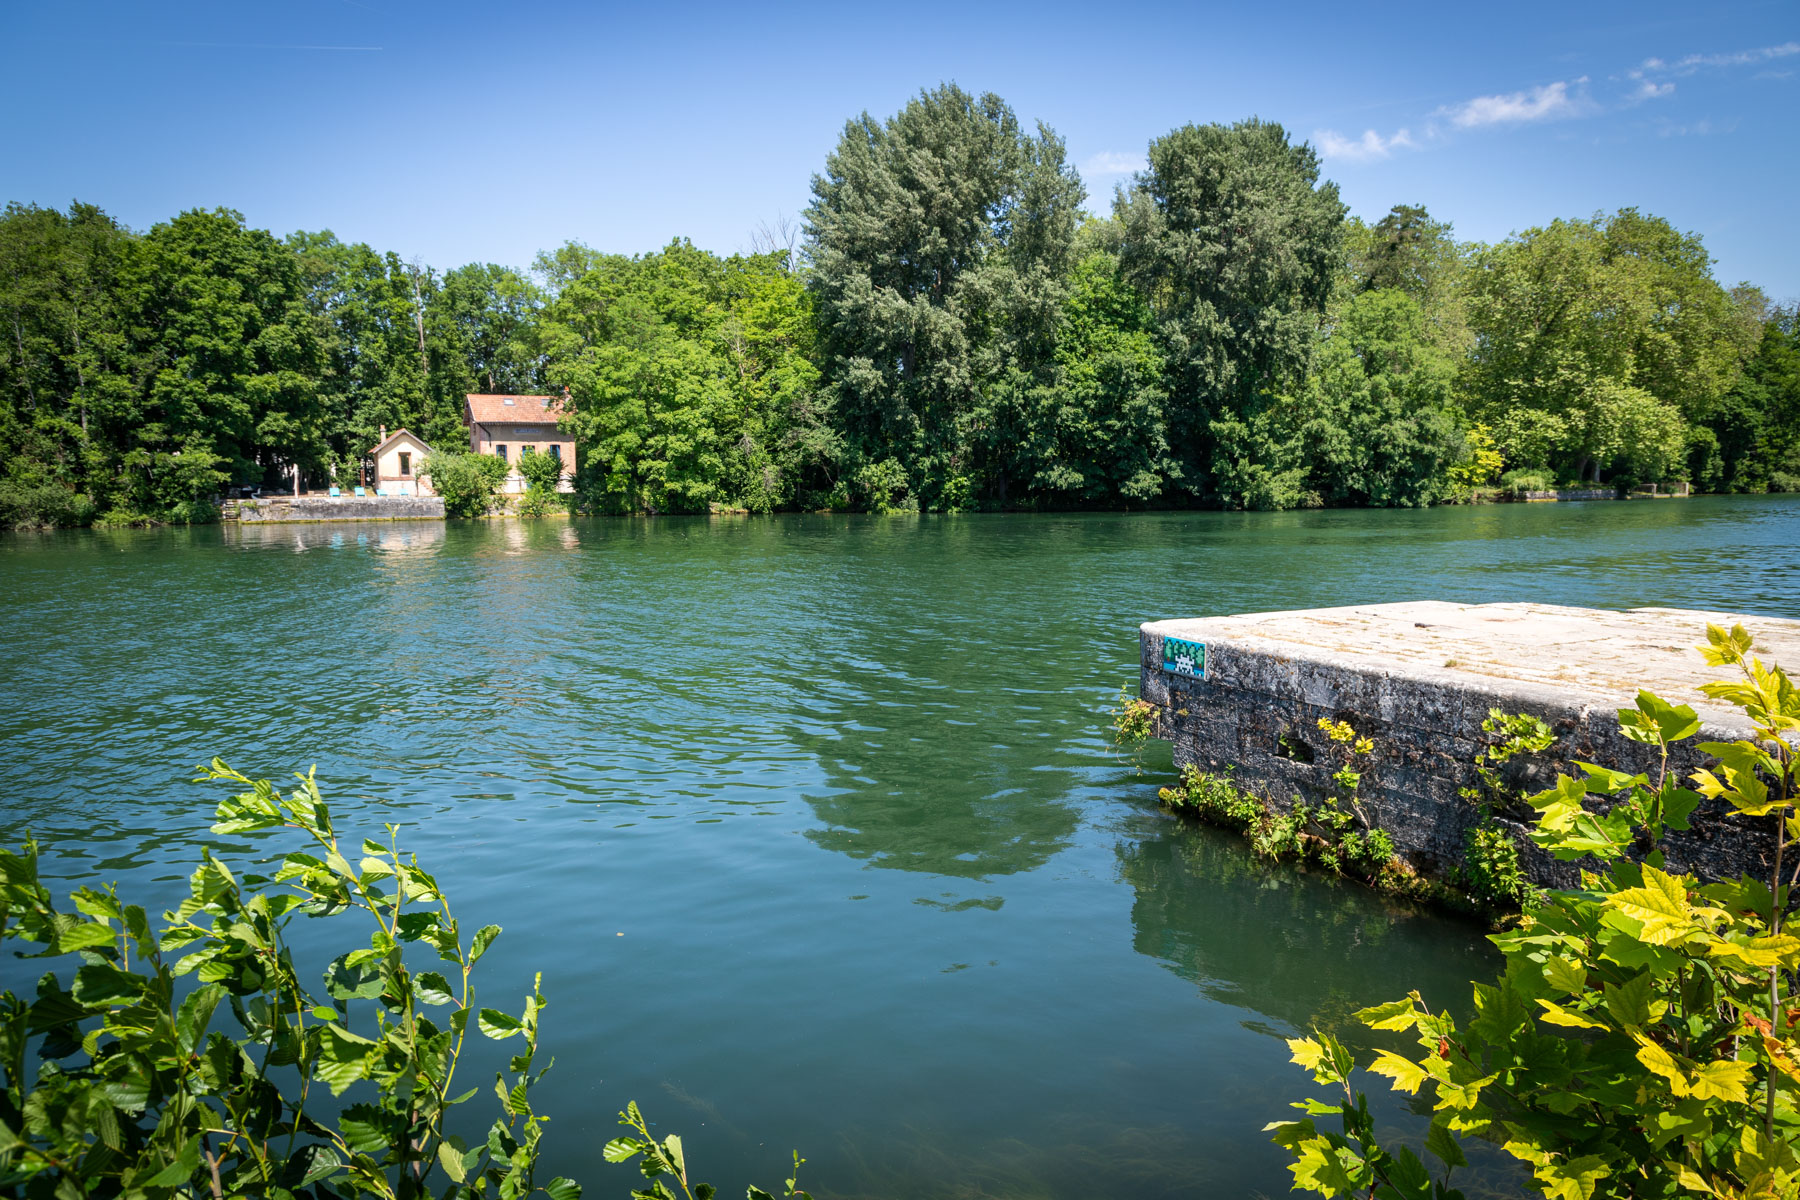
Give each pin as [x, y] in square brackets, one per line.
[193, 1062]
[467, 482]
[1640, 1040]
[42, 506]
[541, 470]
[1527, 479]
[1783, 481]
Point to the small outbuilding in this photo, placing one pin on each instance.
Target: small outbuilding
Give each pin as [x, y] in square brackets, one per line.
[398, 459]
[508, 426]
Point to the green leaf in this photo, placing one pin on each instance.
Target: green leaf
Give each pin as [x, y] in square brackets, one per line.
[563, 1189]
[497, 1024]
[621, 1148]
[484, 937]
[1661, 906]
[1441, 1142]
[195, 1013]
[1395, 1014]
[451, 1160]
[1406, 1074]
[433, 988]
[367, 1129]
[1656, 720]
[343, 1057]
[89, 935]
[1564, 975]
[100, 984]
[353, 976]
[1628, 1003]
[181, 1169]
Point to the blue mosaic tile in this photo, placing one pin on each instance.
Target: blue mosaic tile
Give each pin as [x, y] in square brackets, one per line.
[1184, 658]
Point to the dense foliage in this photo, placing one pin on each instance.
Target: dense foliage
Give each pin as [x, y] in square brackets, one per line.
[1640, 1040]
[196, 1060]
[951, 331]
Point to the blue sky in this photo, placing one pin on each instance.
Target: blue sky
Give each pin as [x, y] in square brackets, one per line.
[459, 132]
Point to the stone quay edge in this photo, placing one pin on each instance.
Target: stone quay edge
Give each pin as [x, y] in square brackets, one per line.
[1247, 691]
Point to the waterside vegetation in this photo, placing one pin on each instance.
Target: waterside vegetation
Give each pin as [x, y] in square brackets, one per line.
[1640, 1040]
[196, 1061]
[953, 326]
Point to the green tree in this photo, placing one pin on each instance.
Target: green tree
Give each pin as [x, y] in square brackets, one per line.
[1236, 243]
[1410, 251]
[692, 381]
[392, 359]
[230, 359]
[1381, 426]
[1757, 425]
[1103, 437]
[1583, 326]
[487, 318]
[939, 242]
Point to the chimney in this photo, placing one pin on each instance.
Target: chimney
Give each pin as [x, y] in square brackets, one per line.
[383, 436]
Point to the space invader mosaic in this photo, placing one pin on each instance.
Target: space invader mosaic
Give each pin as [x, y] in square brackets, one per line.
[1184, 657]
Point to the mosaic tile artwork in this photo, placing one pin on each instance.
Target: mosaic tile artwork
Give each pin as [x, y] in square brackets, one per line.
[1184, 658]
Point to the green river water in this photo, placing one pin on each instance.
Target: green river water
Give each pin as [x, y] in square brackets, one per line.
[809, 822]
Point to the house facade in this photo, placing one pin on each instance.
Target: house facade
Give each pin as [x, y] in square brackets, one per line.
[398, 457]
[507, 426]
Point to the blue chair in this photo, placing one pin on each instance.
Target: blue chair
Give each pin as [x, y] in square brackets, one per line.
[359, 492]
[381, 491]
[335, 493]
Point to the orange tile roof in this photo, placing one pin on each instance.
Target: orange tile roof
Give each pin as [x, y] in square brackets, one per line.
[514, 410]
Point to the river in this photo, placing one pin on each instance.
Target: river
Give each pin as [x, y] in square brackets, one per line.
[810, 822]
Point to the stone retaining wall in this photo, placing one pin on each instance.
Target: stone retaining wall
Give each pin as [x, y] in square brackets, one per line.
[285, 509]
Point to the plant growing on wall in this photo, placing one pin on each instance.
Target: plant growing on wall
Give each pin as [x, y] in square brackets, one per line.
[1134, 724]
[1491, 868]
[1640, 1041]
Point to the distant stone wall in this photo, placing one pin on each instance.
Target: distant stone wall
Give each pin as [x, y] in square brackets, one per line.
[286, 509]
[1427, 732]
[1576, 494]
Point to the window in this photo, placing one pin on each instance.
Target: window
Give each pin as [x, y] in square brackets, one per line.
[405, 463]
[501, 451]
[556, 451]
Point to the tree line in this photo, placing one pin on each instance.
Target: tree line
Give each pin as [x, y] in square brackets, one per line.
[953, 326]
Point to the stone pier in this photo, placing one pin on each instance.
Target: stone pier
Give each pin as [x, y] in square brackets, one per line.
[1246, 693]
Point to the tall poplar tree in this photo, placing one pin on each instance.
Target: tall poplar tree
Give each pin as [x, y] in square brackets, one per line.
[1235, 241]
[940, 244]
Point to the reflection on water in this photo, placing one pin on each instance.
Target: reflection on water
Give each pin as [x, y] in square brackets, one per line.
[387, 536]
[1303, 950]
[809, 822]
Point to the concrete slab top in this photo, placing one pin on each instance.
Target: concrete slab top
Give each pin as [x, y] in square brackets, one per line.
[1596, 655]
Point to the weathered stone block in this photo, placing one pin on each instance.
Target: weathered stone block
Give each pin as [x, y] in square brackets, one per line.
[1419, 678]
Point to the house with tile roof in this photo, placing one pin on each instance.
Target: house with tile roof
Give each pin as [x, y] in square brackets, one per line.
[398, 457]
[507, 426]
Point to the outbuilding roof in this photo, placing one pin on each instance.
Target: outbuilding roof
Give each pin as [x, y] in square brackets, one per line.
[515, 410]
[395, 436]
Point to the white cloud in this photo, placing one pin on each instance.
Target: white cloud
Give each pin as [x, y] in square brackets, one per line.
[1651, 90]
[1111, 162]
[1369, 146]
[1544, 103]
[1743, 58]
